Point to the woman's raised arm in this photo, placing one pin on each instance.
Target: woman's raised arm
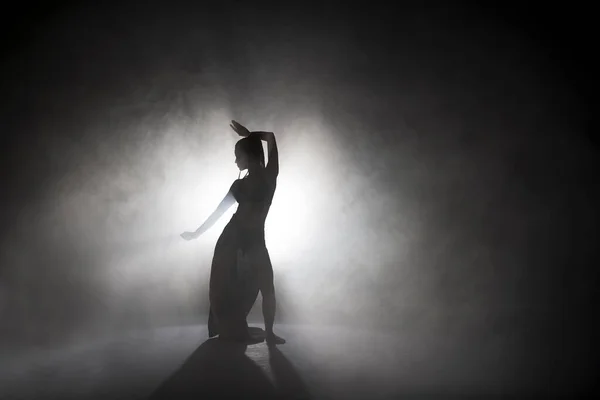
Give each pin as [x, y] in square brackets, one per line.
[272, 166]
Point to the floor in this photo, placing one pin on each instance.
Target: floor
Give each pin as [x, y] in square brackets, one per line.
[315, 363]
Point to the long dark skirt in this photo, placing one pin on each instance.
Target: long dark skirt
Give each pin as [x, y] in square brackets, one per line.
[234, 283]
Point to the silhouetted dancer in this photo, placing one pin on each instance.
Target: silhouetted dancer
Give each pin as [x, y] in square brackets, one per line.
[241, 265]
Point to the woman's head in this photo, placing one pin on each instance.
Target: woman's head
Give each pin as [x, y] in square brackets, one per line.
[249, 153]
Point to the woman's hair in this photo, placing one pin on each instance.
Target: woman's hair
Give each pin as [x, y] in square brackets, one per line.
[252, 147]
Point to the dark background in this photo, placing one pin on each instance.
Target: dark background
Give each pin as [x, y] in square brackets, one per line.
[494, 103]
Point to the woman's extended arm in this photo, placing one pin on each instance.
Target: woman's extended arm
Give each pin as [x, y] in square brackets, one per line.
[225, 204]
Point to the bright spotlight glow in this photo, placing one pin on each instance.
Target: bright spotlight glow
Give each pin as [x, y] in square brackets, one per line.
[139, 205]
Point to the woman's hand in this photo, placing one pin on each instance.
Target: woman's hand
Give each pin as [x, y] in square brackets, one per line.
[239, 129]
[190, 235]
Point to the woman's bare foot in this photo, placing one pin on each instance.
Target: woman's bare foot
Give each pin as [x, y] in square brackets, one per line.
[273, 339]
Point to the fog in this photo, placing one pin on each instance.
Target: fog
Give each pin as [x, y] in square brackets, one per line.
[435, 181]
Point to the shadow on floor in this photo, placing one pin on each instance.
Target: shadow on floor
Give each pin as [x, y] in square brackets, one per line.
[220, 369]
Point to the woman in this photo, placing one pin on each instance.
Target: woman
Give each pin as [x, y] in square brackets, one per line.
[241, 265]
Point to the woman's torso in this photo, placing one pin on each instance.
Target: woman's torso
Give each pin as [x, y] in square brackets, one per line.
[254, 195]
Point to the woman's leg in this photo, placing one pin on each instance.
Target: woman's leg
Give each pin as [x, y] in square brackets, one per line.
[213, 329]
[225, 318]
[269, 303]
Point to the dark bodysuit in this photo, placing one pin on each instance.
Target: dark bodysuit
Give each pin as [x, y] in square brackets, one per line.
[241, 265]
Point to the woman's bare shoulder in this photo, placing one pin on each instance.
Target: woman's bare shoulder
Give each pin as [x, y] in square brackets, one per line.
[235, 186]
